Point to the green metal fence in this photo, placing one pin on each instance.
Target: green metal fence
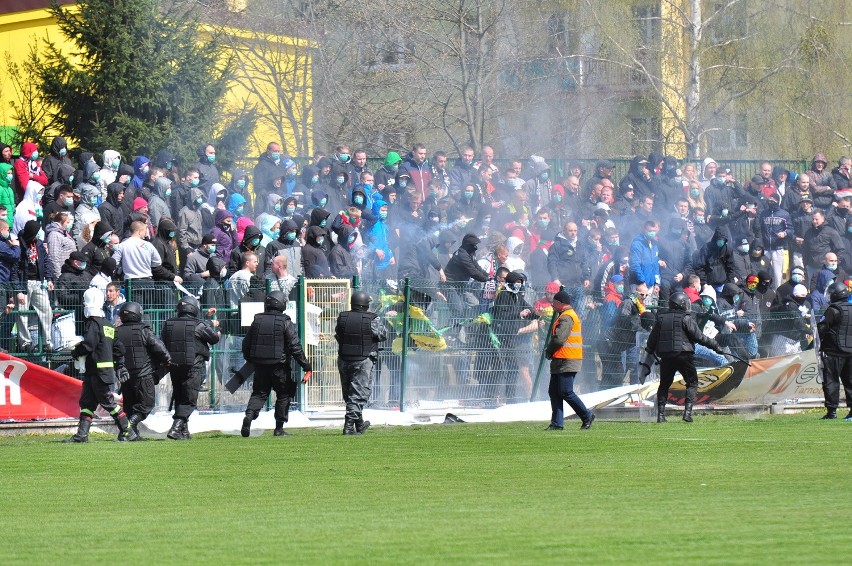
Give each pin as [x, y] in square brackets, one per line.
[450, 345]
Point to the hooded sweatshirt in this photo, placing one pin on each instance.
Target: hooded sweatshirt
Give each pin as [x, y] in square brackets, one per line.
[225, 240]
[109, 174]
[139, 163]
[51, 163]
[7, 193]
[190, 226]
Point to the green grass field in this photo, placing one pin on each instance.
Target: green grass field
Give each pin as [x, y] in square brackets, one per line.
[722, 490]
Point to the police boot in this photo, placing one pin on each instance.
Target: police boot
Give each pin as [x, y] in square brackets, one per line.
[184, 430]
[687, 412]
[245, 431]
[175, 433]
[125, 433]
[661, 410]
[82, 434]
[830, 414]
[279, 429]
[361, 425]
[349, 426]
[134, 421]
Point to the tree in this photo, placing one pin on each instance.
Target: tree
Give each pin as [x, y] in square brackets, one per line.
[35, 121]
[141, 76]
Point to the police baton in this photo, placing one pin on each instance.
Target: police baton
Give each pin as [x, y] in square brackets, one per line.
[736, 357]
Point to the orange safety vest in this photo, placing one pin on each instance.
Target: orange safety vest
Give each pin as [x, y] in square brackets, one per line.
[573, 347]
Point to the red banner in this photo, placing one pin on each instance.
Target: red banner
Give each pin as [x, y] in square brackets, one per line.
[29, 391]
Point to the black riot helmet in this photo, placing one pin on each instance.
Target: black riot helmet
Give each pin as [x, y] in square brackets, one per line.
[679, 302]
[275, 301]
[188, 305]
[130, 312]
[839, 292]
[360, 301]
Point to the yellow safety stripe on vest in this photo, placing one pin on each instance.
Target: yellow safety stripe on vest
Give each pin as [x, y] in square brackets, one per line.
[100, 365]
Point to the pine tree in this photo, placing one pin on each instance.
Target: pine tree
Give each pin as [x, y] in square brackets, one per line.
[142, 77]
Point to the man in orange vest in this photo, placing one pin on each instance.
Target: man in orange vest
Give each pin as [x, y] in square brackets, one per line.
[565, 352]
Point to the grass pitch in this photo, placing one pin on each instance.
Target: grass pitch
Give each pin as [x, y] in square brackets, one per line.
[721, 490]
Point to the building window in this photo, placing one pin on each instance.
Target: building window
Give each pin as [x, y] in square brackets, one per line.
[732, 138]
[389, 54]
[644, 135]
[731, 22]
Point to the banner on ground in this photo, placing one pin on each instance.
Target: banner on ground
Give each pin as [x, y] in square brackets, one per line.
[29, 391]
[769, 380]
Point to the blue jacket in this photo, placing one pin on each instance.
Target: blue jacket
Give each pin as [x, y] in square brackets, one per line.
[644, 261]
[378, 237]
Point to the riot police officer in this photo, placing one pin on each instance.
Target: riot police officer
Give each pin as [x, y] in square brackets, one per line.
[141, 345]
[270, 343]
[358, 333]
[672, 340]
[104, 359]
[835, 334]
[188, 339]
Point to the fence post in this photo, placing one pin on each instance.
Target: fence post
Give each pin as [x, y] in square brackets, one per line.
[356, 282]
[403, 367]
[301, 315]
[542, 359]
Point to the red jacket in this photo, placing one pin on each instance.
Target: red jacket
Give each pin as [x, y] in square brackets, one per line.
[25, 170]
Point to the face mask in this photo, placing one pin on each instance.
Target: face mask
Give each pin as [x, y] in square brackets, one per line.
[40, 235]
[468, 195]
[557, 198]
[291, 173]
[240, 210]
[394, 168]
[707, 301]
[543, 223]
[62, 153]
[849, 229]
[194, 183]
[352, 239]
[83, 265]
[277, 207]
[403, 183]
[323, 223]
[359, 200]
[34, 156]
[211, 159]
[320, 241]
[796, 278]
[241, 184]
[9, 178]
[223, 272]
[171, 235]
[744, 249]
[323, 202]
[695, 193]
[651, 234]
[340, 180]
[291, 210]
[368, 187]
[254, 242]
[211, 250]
[96, 176]
[752, 286]
[614, 242]
[383, 215]
[314, 179]
[145, 170]
[291, 235]
[773, 205]
[199, 201]
[435, 193]
[344, 157]
[226, 227]
[168, 193]
[168, 164]
[619, 288]
[276, 157]
[116, 163]
[274, 234]
[544, 175]
[720, 243]
[724, 212]
[736, 299]
[831, 266]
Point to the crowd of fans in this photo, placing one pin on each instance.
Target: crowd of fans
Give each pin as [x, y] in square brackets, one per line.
[466, 233]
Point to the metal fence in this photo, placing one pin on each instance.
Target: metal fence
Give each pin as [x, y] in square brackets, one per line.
[450, 345]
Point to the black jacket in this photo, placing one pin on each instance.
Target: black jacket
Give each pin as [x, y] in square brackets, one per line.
[140, 346]
[676, 332]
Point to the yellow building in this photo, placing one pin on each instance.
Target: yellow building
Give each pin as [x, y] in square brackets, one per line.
[272, 73]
